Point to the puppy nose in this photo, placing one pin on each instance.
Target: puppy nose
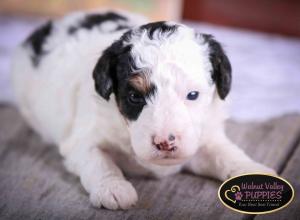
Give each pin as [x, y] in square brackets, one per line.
[165, 145]
[171, 137]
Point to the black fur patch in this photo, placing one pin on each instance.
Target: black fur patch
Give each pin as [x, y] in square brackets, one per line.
[92, 20]
[37, 40]
[221, 74]
[160, 26]
[112, 73]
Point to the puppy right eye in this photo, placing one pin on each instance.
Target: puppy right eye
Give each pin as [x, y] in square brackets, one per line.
[192, 95]
[136, 98]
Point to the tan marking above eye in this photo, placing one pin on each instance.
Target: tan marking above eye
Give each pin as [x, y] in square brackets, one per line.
[141, 82]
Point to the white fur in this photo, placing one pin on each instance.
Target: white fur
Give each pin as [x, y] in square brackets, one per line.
[59, 101]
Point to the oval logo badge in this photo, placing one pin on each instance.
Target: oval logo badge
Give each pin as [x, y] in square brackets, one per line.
[256, 193]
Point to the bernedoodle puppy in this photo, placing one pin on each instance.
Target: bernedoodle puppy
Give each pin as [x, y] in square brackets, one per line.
[115, 92]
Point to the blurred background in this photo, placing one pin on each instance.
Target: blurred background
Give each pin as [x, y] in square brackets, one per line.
[261, 37]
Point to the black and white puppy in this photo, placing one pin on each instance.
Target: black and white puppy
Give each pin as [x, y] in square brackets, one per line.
[103, 84]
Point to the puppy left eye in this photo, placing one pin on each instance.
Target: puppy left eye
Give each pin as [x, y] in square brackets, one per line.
[136, 99]
[192, 95]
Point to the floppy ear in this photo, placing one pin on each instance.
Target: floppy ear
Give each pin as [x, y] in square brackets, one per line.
[104, 71]
[221, 73]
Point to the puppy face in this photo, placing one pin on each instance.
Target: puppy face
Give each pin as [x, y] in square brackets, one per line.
[164, 76]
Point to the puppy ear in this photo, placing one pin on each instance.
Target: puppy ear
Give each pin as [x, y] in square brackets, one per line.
[221, 73]
[104, 72]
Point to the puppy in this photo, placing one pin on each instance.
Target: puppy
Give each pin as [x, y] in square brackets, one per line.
[104, 84]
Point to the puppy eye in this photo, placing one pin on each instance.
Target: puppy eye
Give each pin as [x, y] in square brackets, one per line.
[192, 95]
[136, 98]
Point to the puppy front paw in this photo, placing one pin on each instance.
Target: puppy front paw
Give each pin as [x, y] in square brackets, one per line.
[114, 194]
[250, 167]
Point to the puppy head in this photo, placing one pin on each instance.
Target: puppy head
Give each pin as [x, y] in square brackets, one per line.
[164, 77]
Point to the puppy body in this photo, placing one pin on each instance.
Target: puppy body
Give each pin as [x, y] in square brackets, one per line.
[109, 90]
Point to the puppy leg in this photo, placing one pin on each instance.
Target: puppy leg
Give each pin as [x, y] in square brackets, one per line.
[101, 178]
[222, 159]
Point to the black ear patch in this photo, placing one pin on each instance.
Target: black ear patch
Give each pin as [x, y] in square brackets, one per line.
[105, 70]
[221, 74]
[112, 62]
[102, 75]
